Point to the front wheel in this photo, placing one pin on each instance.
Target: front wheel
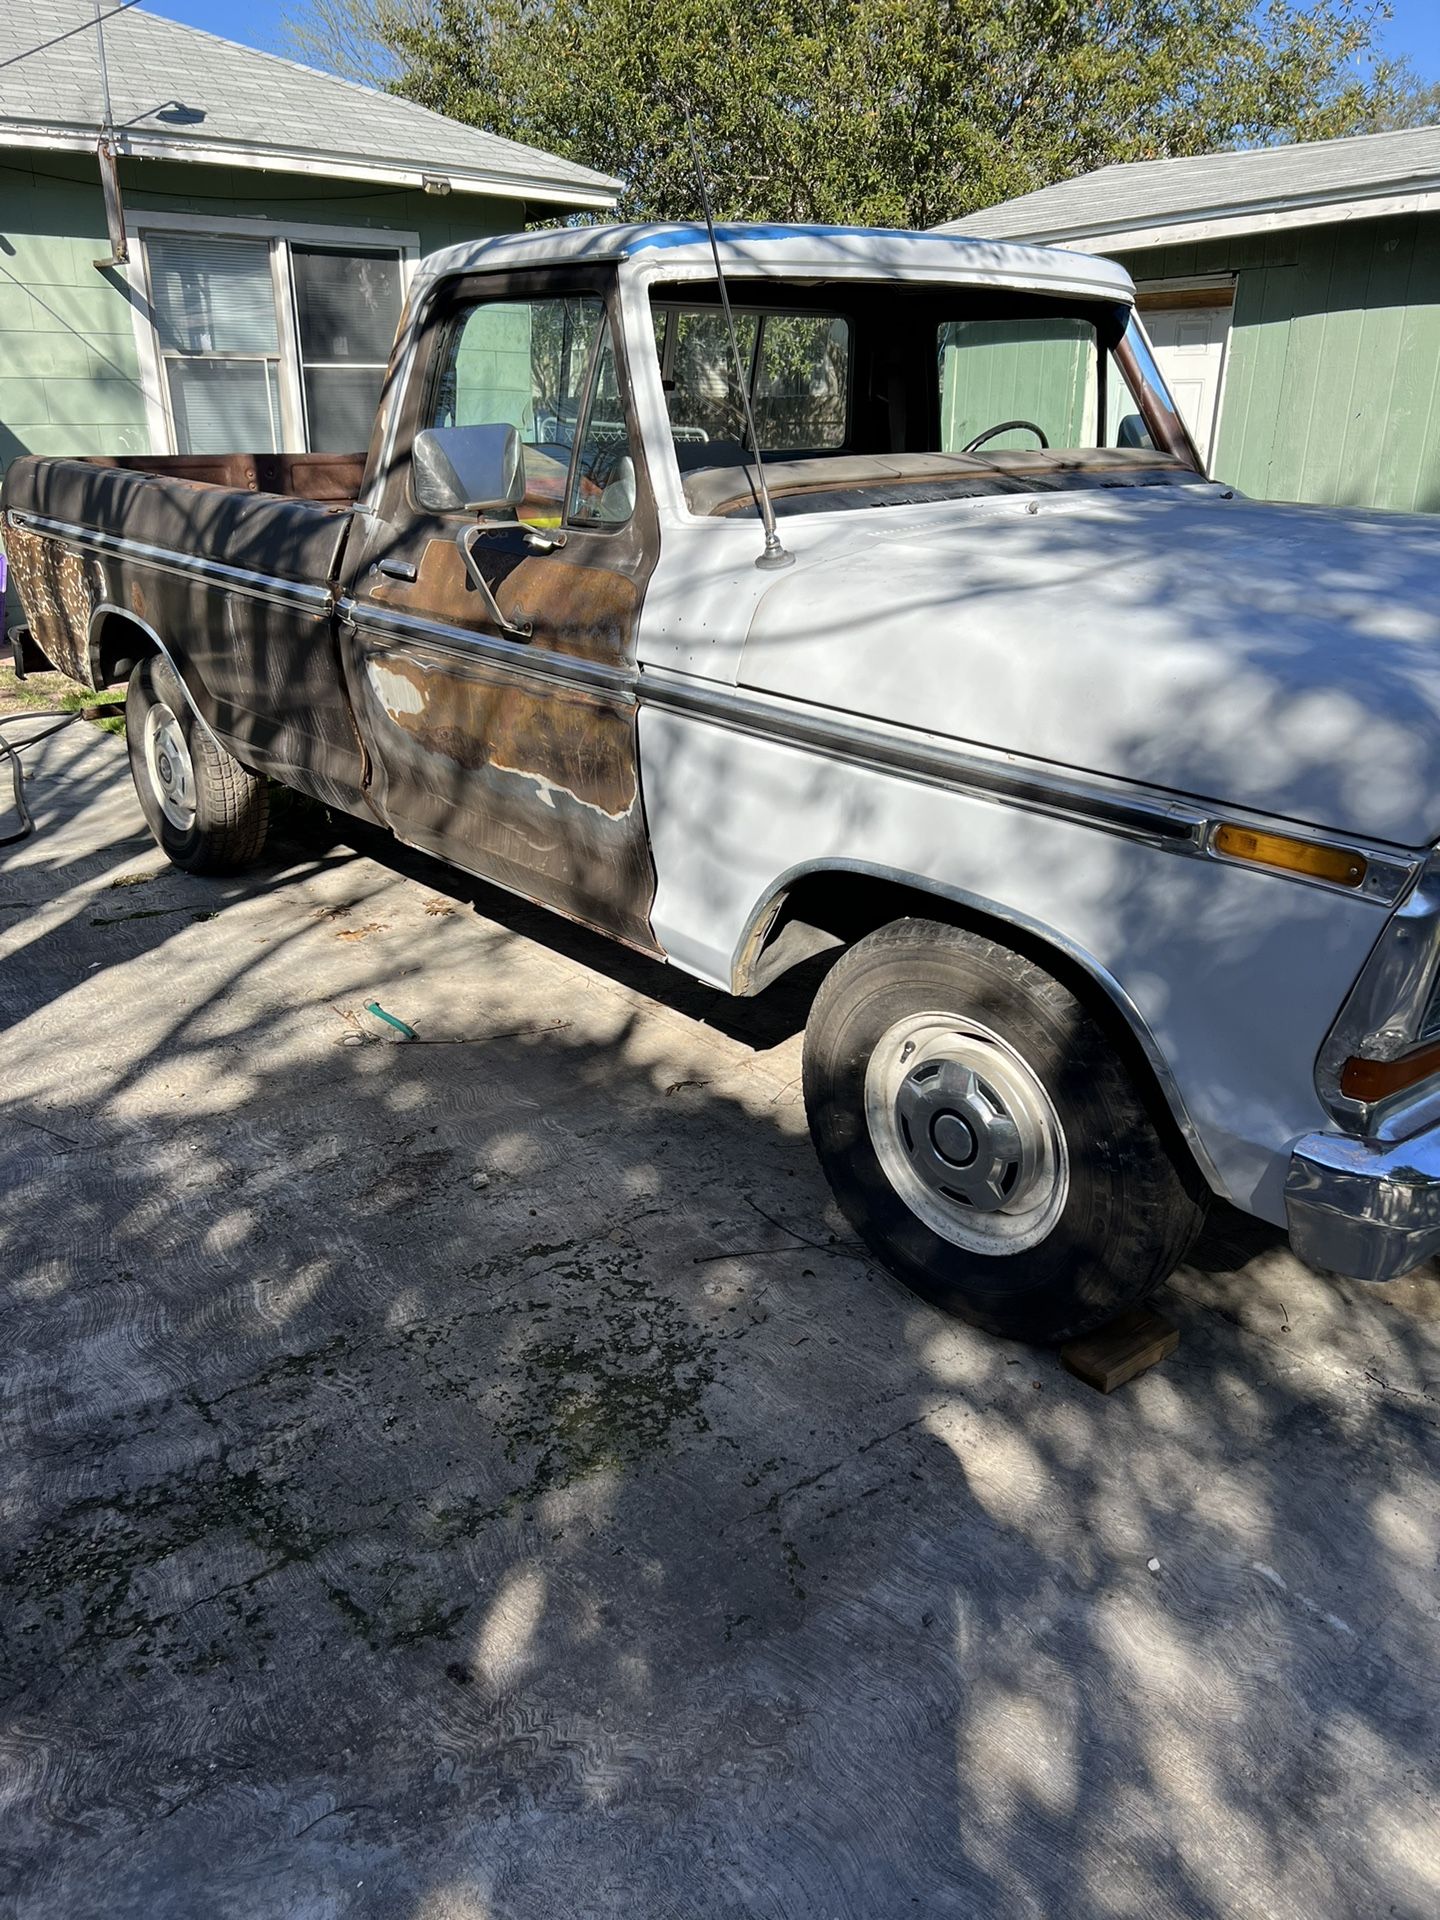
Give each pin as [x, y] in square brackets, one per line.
[983, 1135]
[207, 812]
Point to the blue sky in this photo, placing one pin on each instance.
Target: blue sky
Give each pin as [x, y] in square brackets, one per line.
[1414, 30]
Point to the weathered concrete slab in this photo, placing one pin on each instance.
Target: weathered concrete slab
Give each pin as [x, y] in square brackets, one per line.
[606, 1536]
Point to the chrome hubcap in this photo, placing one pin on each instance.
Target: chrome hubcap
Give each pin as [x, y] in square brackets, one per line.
[171, 770]
[966, 1133]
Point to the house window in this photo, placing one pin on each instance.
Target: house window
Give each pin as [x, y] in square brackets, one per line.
[346, 308]
[271, 344]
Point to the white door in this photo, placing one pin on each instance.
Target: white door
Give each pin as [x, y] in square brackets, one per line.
[1189, 345]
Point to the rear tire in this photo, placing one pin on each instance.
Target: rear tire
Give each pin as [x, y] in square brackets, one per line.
[208, 813]
[982, 1133]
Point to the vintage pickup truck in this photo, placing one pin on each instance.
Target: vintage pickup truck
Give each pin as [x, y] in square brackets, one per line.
[1113, 793]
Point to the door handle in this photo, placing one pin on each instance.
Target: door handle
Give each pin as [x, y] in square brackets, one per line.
[465, 540]
[395, 569]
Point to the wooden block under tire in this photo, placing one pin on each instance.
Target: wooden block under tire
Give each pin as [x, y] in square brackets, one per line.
[1113, 1354]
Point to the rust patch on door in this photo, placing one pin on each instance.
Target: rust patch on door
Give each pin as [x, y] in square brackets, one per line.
[529, 780]
[477, 716]
[587, 611]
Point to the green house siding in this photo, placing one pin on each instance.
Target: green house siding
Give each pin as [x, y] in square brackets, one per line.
[1028, 370]
[1332, 383]
[69, 373]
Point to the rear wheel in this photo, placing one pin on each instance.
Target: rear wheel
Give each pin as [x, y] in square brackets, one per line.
[207, 812]
[983, 1134]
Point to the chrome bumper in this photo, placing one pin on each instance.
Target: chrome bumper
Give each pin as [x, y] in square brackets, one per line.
[1366, 1209]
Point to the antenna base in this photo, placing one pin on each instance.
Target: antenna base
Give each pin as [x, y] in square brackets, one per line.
[773, 558]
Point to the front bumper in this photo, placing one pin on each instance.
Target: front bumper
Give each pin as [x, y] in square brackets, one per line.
[1366, 1209]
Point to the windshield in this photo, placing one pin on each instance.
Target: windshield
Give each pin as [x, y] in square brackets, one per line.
[882, 395]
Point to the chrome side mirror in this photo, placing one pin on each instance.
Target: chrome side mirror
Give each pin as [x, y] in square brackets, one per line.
[468, 469]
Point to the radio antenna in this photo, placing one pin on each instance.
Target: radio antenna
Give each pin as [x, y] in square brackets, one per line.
[773, 554]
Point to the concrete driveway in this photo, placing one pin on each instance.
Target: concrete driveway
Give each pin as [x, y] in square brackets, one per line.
[484, 1480]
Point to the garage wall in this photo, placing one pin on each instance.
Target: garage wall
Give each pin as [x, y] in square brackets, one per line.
[1332, 387]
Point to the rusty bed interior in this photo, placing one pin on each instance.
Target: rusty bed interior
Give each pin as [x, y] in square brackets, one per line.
[329, 479]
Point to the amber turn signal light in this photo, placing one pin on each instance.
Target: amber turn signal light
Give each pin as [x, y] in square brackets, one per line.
[1377, 1079]
[1337, 864]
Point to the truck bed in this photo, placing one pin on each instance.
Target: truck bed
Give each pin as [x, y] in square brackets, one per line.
[173, 533]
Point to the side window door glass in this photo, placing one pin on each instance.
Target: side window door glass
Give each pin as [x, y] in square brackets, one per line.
[546, 368]
[523, 364]
[602, 493]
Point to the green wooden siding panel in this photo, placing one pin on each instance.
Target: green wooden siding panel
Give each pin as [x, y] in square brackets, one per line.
[1409, 468]
[1040, 374]
[71, 376]
[1332, 383]
[1256, 369]
[1301, 311]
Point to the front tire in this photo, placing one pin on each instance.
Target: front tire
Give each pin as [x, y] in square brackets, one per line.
[983, 1135]
[207, 812]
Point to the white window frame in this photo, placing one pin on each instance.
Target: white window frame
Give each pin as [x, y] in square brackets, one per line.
[281, 235]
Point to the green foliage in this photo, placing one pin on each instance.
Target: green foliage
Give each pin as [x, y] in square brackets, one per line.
[1410, 103]
[890, 112]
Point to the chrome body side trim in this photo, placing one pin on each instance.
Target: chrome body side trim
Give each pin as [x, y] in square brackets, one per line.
[1115, 806]
[1368, 1210]
[310, 598]
[1150, 815]
[519, 657]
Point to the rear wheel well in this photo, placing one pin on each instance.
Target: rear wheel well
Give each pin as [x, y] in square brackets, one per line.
[117, 647]
[836, 907]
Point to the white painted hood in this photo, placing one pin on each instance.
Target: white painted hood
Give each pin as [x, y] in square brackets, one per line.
[1279, 658]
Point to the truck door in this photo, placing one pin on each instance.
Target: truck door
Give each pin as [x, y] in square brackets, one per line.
[508, 745]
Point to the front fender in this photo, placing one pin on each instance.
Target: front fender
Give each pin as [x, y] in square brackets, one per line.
[1228, 976]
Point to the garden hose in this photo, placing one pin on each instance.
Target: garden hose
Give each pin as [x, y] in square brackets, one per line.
[12, 750]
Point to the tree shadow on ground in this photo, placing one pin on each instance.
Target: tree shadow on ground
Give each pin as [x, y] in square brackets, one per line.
[487, 1479]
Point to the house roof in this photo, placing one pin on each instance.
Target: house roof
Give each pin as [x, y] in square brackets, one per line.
[179, 94]
[1157, 202]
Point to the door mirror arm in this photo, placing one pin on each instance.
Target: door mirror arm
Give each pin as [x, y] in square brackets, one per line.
[465, 540]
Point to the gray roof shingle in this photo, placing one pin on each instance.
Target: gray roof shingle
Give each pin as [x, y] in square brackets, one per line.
[1155, 193]
[250, 104]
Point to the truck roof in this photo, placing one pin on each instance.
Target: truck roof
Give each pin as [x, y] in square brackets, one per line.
[682, 250]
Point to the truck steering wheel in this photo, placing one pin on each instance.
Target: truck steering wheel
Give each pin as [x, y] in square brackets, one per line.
[1005, 426]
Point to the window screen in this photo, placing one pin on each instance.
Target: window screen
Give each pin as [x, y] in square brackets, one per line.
[347, 305]
[213, 296]
[214, 305]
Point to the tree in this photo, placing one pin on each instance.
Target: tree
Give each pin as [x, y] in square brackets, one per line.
[1412, 103]
[888, 112]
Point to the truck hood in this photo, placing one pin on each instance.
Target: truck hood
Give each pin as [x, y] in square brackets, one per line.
[1282, 659]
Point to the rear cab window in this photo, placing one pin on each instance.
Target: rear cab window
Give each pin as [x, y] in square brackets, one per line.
[797, 370]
